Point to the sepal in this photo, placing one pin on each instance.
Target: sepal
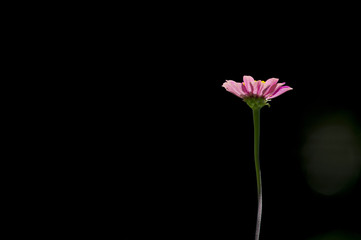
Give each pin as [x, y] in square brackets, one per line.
[256, 103]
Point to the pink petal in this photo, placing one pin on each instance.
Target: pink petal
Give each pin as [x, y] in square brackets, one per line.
[272, 91]
[234, 87]
[238, 86]
[248, 81]
[260, 89]
[280, 91]
[245, 89]
[273, 88]
[229, 86]
[269, 85]
[256, 86]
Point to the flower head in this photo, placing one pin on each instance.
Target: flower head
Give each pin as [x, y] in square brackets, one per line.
[256, 93]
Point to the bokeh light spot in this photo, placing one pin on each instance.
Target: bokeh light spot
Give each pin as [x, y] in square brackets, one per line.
[331, 154]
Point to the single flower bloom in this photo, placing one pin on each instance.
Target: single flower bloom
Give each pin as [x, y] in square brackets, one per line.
[256, 93]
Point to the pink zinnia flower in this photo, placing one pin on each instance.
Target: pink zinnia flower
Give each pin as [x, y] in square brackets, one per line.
[250, 88]
[256, 94]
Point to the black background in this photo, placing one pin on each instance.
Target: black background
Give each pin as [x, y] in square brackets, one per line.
[173, 150]
[143, 142]
[195, 178]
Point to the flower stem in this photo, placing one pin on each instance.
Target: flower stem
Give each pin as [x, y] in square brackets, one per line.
[256, 123]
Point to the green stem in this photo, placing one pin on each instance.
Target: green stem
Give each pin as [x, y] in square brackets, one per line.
[256, 123]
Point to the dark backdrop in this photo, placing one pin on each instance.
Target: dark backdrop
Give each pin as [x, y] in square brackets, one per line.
[185, 145]
[196, 179]
[150, 146]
